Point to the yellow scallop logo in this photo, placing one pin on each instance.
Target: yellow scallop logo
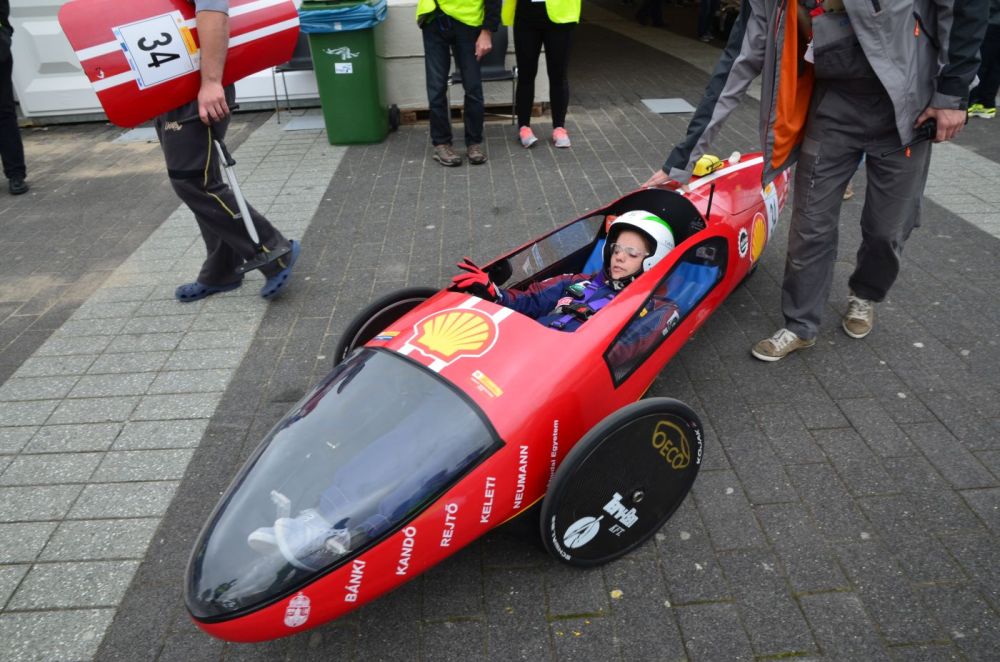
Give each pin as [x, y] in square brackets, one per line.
[758, 236]
[456, 332]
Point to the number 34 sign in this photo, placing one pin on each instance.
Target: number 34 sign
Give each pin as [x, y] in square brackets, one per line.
[158, 48]
[142, 58]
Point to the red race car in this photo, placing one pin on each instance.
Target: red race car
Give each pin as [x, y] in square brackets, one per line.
[447, 415]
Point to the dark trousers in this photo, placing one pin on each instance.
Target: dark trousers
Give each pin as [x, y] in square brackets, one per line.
[11, 148]
[849, 119]
[442, 37]
[195, 174]
[989, 71]
[650, 11]
[528, 40]
[706, 12]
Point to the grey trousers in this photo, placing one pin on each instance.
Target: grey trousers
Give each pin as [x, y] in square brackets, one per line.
[848, 119]
[195, 174]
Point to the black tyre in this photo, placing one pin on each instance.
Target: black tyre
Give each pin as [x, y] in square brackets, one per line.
[622, 482]
[394, 117]
[377, 316]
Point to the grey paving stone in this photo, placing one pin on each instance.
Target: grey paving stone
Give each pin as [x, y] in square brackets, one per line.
[986, 504]
[842, 628]
[967, 618]
[50, 469]
[161, 324]
[68, 346]
[688, 562]
[639, 605]
[54, 635]
[101, 310]
[33, 412]
[149, 499]
[23, 540]
[213, 321]
[202, 340]
[583, 638]
[979, 556]
[454, 589]
[957, 464]
[93, 410]
[886, 594]
[725, 510]
[74, 438]
[191, 381]
[205, 359]
[102, 386]
[454, 640]
[517, 602]
[713, 632]
[128, 363]
[767, 608]
[65, 585]
[924, 653]
[46, 366]
[92, 327]
[36, 502]
[100, 540]
[789, 436]
[120, 294]
[10, 577]
[128, 466]
[990, 459]
[836, 515]
[176, 406]
[12, 440]
[878, 430]
[36, 388]
[571, 592]
[144, 435]
[855, 463]
[807, 558]
[144, 342]
[759, 469]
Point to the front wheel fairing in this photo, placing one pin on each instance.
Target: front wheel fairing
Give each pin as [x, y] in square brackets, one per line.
[367, 449]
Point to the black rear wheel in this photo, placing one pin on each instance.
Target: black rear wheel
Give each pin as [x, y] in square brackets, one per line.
[622, 482]
[377, 316]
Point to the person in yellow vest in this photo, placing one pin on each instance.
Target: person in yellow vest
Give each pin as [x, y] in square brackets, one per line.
[538, 22]
[462, 27]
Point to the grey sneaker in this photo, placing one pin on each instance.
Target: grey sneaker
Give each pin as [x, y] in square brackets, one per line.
[476, 154]
[859, 318]
[780, 345]
[446, 156]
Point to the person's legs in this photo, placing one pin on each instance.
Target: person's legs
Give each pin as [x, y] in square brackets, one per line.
[989, 71]
[474, 103]
[195, 174]
[527, 49]
[437, 65]
[829, 157]
[558, 40]
[11, 147]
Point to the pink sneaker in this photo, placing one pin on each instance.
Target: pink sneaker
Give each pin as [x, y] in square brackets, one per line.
[527, 137]
[560, 138]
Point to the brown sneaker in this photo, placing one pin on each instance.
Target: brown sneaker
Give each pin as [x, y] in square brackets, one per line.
[476, 155]
[780, 345]
[859, 318]
[446, 156]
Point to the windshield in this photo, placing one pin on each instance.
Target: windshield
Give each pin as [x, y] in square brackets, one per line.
[358, 456]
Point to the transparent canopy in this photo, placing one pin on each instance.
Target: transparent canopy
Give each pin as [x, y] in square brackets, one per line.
[360, 455]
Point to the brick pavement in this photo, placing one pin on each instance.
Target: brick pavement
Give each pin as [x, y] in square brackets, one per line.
[847, 508]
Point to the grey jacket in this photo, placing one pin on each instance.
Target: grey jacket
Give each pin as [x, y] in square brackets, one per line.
[925, 53]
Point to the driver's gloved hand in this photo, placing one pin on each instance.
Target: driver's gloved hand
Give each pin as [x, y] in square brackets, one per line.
[475, 281]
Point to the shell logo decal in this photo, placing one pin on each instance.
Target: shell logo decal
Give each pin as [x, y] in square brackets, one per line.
[453, 332]
[758, 236]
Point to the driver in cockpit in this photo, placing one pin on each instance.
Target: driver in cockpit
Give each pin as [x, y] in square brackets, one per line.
[637, 240]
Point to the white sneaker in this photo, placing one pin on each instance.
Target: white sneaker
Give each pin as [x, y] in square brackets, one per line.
[859, 318]
[527, 137]
[780, 345]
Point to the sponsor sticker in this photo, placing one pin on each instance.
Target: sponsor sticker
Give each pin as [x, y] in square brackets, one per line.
[158, 49]
[385, 336]
[297, 611]
[670, 441]
[450, 511]
[744, 242]
[353, 585]
[486, 385]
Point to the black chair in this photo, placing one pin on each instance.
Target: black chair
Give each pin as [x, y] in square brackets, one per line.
[301, 61]
[493, 69]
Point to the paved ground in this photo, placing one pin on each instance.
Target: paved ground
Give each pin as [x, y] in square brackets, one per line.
[849, 507]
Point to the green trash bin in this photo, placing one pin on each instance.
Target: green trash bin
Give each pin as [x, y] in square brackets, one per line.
[350, 89]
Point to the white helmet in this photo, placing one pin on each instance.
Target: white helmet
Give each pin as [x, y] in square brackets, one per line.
[655, 229]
